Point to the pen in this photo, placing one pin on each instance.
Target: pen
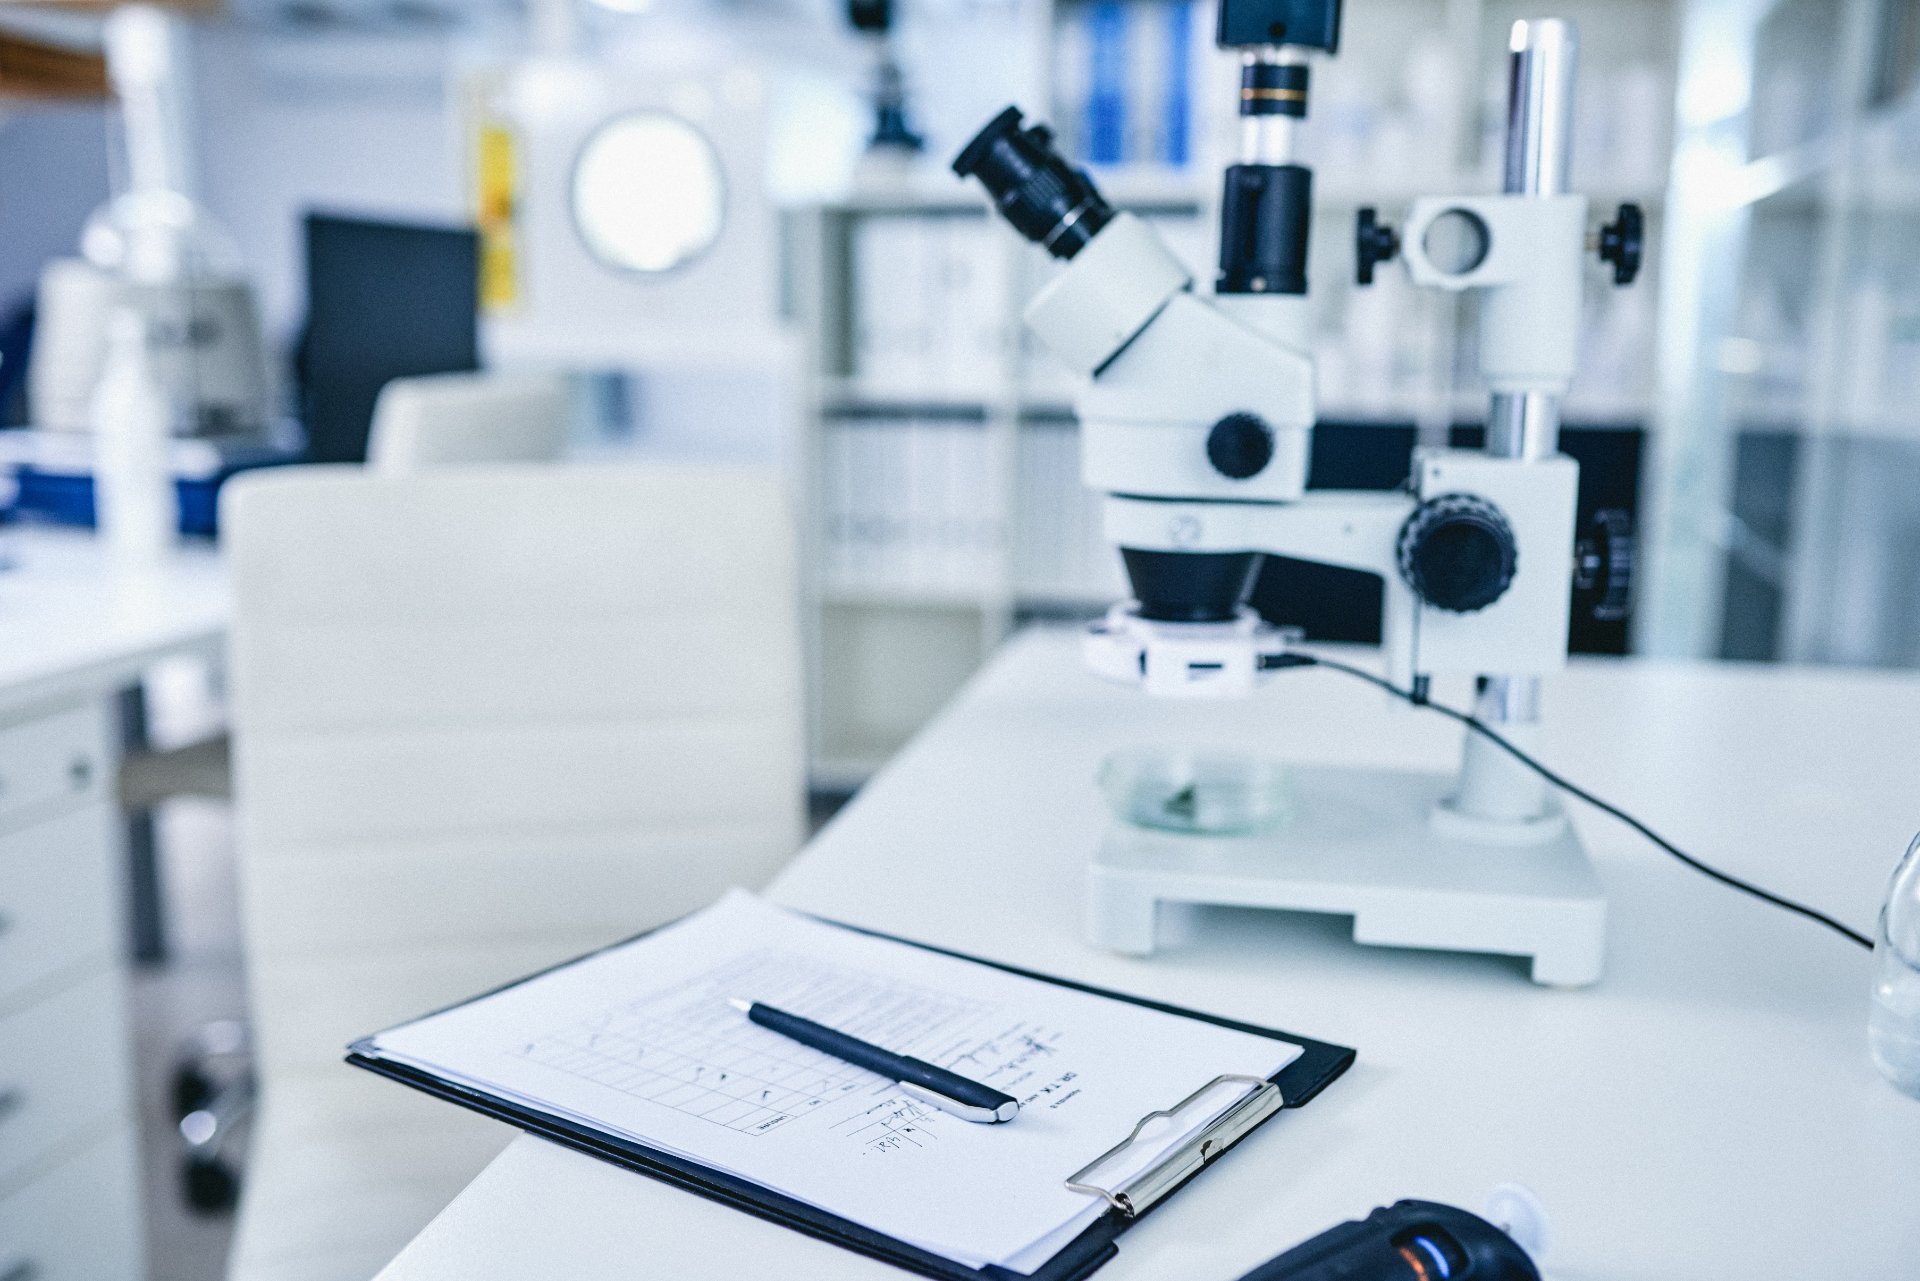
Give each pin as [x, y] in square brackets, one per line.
[948, 1091]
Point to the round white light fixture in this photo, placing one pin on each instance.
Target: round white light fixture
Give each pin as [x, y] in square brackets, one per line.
[648, 193]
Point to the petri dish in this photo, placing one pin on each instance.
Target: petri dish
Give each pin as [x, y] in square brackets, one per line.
[1202, 792]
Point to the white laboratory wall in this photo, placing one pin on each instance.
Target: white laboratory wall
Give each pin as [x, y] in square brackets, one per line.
[53, 173]
[352, 124]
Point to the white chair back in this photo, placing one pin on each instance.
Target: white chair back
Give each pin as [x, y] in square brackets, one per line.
[485, 719]
[440, 419]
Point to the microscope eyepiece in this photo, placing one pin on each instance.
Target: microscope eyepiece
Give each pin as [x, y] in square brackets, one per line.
[1046, 199]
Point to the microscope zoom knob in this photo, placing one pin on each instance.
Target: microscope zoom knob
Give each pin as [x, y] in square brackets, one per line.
[1458, 553]
[1623, 243]
[1240, 446]
[1374, 242]
[1603, 564]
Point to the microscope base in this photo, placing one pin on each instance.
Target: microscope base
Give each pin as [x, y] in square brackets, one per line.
[1366, 843]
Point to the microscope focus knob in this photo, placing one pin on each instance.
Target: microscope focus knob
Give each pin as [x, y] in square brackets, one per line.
[1458, 553]
[1240, 446]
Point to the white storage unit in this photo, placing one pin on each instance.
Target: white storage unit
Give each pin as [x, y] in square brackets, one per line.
[69, 1203]
[941, 449]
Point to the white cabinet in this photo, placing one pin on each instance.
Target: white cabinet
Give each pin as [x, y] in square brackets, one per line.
[56, 879]
[79, 1221]
[69, 1206]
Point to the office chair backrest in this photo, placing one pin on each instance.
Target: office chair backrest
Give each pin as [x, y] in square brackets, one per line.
[490, 717]
[440, 419]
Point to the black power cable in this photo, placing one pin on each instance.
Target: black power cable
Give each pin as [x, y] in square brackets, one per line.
[1487, 732]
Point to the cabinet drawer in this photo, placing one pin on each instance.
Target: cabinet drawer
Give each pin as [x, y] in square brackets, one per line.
[78, 1222]
[59, 755]
[63, 1069]
[59, 896]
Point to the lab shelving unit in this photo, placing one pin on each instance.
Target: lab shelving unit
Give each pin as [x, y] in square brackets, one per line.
[1412, 106]
[1789, 447]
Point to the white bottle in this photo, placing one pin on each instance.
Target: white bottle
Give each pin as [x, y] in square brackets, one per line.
[135, 505]
[1893, 1027]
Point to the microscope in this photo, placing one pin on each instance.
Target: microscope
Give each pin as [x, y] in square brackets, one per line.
[1196, 415]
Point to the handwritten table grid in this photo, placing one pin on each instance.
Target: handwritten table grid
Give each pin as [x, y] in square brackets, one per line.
[698, 1057]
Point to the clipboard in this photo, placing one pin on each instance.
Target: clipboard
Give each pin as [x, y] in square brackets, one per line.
[1295, 1085]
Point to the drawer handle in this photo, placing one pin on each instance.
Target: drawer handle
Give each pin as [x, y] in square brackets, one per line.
[12, 1100]
[21, 1270]
[80, 772]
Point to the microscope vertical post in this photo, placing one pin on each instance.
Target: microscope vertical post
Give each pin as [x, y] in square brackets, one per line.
[1523, 424]
[1544, 54]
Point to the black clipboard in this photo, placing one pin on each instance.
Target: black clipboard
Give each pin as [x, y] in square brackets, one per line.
[1294, 1086]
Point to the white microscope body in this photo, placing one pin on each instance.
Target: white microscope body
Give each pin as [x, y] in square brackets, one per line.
[1195, 423]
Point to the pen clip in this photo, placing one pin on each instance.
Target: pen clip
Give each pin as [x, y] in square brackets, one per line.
[966, 1111]
[1140, 1192]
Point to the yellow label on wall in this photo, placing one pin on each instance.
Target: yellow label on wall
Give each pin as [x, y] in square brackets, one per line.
[496, 199]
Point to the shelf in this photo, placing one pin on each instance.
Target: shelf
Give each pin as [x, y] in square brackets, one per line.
[1067, 596]
[1044, 407]
[1146, 191]
[513, 341]
[1332, 194]
[841, 394]
[909, 596]
[932, 596]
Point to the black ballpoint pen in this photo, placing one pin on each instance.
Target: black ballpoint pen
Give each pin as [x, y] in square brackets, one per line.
[948, 1091]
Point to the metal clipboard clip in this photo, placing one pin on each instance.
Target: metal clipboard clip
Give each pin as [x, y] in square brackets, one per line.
[1139, 1192]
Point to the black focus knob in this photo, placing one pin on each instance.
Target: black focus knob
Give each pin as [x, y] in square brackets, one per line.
[1458, 553]
[1240, 446]
[1374, 242]
[1623, 243]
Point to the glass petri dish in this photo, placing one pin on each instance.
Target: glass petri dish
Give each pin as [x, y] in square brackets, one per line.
[1201, 792]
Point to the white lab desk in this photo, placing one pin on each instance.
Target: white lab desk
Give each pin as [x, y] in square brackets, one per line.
[72, 635]
[71, 628]
[1707, 1111]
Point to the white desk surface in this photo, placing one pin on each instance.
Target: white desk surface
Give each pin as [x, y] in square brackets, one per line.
[69, 626]
[1707, 1111]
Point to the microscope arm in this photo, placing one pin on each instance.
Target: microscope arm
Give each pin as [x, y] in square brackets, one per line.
[1513, 613]
[1351, 529]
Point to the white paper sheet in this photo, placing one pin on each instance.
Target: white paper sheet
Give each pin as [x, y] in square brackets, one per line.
[639, 1041]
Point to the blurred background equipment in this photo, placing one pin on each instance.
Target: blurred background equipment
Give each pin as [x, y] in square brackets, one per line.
[154, 249]
[385, 300]
[892, 131]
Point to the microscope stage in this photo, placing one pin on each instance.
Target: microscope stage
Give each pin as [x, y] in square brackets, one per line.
[1366, 843]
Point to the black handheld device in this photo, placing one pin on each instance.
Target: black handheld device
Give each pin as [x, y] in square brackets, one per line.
[1405, 1241]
